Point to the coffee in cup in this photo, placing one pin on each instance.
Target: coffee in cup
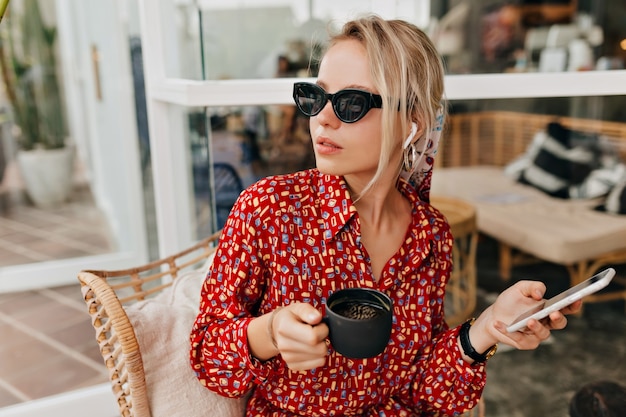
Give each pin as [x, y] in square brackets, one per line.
[359, 321]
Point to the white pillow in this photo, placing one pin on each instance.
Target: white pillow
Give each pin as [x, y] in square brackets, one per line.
[162, 326]
[208, 263]
[616, 200]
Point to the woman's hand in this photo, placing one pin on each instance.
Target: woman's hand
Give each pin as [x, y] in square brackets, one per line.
[295, 331]
[301, 336]
[490, 327]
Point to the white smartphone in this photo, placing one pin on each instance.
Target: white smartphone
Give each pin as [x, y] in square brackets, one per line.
[567, 297]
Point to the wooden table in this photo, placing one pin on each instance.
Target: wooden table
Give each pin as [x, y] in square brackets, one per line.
[461, 290]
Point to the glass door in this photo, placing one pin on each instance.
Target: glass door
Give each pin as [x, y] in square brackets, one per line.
[101, 222]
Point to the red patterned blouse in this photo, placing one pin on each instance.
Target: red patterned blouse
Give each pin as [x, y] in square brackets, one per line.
[296, 237]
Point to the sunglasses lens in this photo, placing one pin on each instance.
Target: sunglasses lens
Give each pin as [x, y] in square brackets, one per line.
[351, 106]
[310, 99]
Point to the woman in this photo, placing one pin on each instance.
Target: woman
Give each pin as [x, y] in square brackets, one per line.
[360, 219]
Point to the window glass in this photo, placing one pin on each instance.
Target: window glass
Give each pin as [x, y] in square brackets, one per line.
[609, 108]
[244, 145]
[219, 39]
[487, 36]
[67, 115]
[251, 142]
[223, 39]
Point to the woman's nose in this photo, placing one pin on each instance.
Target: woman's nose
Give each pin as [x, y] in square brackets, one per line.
[327, 115]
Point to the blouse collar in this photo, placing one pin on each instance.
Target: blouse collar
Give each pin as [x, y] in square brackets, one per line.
[336, 205]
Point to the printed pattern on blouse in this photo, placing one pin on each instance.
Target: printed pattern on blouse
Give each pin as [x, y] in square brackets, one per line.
[296, 238]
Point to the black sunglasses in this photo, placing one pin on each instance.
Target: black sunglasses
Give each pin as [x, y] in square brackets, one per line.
[349, 105]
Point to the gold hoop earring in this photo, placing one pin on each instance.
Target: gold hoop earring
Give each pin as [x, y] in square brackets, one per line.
[411, 156]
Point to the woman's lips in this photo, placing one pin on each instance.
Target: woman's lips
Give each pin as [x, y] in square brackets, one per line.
[326, 146]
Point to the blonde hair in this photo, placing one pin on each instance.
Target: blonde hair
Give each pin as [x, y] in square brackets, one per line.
[407, 72]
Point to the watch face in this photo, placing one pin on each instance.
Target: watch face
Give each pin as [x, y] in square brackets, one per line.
[491, 352]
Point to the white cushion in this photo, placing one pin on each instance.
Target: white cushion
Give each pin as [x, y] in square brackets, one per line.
[616, 200]
[162, 326]
[557, 230]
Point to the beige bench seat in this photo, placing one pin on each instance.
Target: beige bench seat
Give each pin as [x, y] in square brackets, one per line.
[557, 230]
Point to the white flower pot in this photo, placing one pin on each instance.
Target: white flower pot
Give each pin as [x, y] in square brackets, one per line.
[47, 175]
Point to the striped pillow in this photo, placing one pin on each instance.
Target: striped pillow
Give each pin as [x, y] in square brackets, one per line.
[559, 160]
[616, 200]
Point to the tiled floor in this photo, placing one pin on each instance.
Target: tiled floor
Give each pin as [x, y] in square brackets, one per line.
[28, 234]
[541, 382]
[47, 343]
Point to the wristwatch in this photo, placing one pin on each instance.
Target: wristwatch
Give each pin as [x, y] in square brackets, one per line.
[468, 349]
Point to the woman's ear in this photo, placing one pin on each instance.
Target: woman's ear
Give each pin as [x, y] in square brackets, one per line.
[411, 136]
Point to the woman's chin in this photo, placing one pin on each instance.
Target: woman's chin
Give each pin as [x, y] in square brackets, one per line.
[329, 169]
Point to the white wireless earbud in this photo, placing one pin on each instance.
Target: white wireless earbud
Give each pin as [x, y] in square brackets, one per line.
[409, 138]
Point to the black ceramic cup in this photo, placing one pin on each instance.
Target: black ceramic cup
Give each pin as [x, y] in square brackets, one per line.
[359, 321]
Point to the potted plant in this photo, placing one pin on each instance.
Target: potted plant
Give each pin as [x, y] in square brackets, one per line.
[29, 71]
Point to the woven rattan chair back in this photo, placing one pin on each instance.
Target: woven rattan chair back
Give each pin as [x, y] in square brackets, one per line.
[106, 293]
[498, 137]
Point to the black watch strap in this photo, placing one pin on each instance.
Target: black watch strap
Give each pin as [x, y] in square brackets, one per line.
[468, 349]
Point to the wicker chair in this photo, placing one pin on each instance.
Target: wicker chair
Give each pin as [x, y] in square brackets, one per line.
[107, 293]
